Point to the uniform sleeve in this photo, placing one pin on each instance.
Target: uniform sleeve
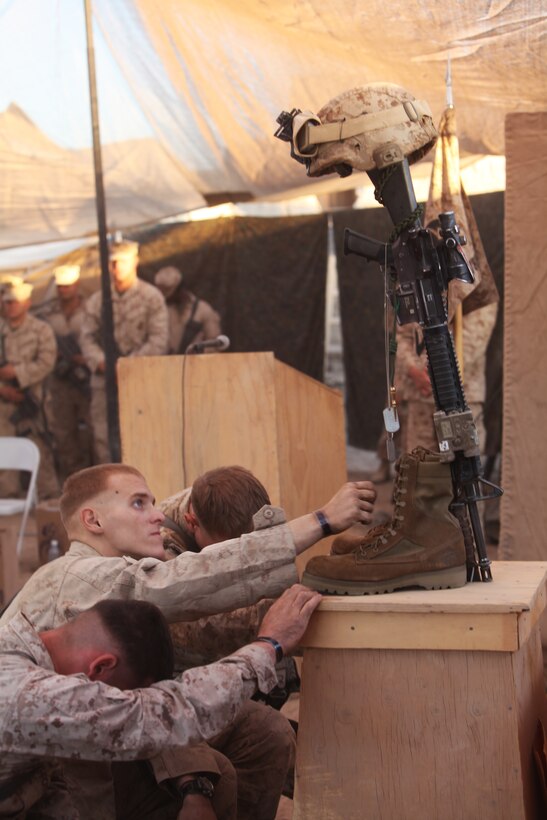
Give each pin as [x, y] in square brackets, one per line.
[226, 576]
[90, 334]
[33, 372]
[158, 326]
[209, 639]
[70, 716]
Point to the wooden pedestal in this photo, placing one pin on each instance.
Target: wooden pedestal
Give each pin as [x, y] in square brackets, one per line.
[9, 564]
[183, 415]
[14, 572]
[423, 705]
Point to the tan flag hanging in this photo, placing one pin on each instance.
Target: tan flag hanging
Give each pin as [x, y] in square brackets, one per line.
[446, 193]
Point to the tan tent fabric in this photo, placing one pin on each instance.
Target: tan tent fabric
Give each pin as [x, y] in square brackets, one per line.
[48, 192]
[211, 76]
[524, 467]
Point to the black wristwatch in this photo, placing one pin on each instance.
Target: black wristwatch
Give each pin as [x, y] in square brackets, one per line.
[199, 785]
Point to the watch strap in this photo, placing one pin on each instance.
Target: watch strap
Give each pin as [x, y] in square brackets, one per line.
[324, 523]
[199, 785]
[276, 645]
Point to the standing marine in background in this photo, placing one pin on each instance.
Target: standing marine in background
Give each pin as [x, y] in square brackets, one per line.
[27, 356]
[191, 319]
[69, 392]
[140, 329]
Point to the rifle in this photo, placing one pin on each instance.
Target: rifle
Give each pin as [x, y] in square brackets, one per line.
[418, 269]
[29, 407]
[66, 368]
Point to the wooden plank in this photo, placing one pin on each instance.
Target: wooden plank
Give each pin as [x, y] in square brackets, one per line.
[150, 389]
[531, 706]
[416, 734]
[14, 572]
[229, 416]
[311, 446]
[312, 450]
[518, 586]
[387, 630]
[183, 415]
[498, 616]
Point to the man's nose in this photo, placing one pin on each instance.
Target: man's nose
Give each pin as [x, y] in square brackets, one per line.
[157, 515]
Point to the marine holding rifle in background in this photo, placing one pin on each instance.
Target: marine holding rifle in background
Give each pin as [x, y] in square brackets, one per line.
[27, 355]
[191, 319]
[69, 391]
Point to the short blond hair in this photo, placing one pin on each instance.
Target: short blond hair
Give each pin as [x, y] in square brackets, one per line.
[83, 486]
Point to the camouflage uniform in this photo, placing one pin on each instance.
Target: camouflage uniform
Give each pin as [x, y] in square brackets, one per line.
[38, 726]
[140, 329]
[416, 411]
[204, 315]
[68, 396]
[237, 573]
[32, 350]
[211, 638]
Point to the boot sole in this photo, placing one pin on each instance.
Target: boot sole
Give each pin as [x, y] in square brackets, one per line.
[441, 579]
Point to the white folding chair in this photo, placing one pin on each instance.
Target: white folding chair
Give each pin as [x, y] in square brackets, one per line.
[20, 454]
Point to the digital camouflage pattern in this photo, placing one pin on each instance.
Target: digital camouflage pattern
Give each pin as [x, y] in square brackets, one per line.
[31, 348]
[37, 710]
[140, 323]
[140, 329]
[263, 735]
[67, 403]
[236, 573]
[416, 410]
[212, 636]
[205, 317]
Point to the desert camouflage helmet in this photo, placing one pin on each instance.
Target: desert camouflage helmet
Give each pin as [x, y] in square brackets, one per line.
[368, 127]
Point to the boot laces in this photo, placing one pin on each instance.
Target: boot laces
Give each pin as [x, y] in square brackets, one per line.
[381, 533]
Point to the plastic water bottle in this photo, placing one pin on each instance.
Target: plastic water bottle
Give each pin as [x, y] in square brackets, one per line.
[54, 550]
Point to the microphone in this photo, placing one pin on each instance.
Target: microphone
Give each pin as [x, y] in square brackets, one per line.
[220, 343]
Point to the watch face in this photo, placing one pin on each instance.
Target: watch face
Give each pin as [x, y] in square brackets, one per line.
[200, 785]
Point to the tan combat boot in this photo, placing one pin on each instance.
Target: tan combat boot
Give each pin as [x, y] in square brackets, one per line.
[357, 537]
[421, 546]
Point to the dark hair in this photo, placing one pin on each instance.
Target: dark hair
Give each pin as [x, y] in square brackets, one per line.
[142, 634]
[81, 487]
[225, 500]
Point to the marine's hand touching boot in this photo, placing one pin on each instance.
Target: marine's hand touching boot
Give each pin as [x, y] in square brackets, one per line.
[352, 504]
[287, 619]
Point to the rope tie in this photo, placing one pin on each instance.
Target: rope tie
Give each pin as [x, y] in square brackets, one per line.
[410, 220]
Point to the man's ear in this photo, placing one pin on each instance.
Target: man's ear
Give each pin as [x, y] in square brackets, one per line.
[101, 667]
[191, 521]
[90, 520]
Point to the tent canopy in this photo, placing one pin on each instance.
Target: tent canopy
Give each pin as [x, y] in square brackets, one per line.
[211, 76]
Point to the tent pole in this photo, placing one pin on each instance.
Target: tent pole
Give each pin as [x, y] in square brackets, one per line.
[107, 315]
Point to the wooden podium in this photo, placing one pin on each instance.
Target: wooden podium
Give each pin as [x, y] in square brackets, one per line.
[422, 705]
[183, 415]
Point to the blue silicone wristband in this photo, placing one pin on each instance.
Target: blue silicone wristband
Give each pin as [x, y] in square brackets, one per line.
[325, 526]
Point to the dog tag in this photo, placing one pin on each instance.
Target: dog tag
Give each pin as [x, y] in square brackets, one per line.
[391, 450]
[391, 419]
